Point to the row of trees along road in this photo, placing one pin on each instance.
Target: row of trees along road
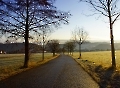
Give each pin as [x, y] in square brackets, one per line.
[20, 19]
[109, 9]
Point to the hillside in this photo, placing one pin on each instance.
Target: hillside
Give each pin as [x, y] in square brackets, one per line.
[97, 46]
[19, 47]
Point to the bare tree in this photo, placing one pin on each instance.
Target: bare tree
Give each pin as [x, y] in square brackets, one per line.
[53, 46]
[70, 45]
[79, 35]
[66, 46]
[44, 41]
[109, 9]
[19, 19]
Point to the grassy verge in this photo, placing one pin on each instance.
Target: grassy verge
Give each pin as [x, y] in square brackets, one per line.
[10, 63]
[98, 65]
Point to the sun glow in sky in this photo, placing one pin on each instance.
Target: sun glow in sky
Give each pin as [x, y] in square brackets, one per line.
[97, 26]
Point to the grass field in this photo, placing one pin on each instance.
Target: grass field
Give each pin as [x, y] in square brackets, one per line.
[98, 65]
[10, 63]
[100, 58]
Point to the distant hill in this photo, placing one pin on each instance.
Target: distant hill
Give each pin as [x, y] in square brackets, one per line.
[11, 47]
[97, 46]
[106, 46]
[90, 46]
[18, 47]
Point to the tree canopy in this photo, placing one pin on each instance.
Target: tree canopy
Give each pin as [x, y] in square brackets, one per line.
[41, 15]
[23, 19]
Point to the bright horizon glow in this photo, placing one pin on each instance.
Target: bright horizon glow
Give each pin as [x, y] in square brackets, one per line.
[97, 27]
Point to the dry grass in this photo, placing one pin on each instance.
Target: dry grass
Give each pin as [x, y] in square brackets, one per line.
[100, 58]
[98, 65]
[10, 63]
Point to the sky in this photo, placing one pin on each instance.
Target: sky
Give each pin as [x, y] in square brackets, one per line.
[97, 26]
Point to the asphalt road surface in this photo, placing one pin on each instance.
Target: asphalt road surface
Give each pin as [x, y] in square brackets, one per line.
[63, 72]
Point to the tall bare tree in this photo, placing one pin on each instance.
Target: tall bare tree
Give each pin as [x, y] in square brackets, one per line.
[109, 9]
[21, 18]
[79, 35]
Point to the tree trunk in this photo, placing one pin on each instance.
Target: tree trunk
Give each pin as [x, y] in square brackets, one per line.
[53, 53]
[68, 51]
[43, 53]
[26, 40]
[111, 37]
[80, 50]
[112, 49]
[43, 47]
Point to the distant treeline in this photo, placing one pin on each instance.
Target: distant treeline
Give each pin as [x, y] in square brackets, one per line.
[34, 48]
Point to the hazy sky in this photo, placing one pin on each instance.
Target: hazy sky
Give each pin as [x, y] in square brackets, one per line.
[97, 26]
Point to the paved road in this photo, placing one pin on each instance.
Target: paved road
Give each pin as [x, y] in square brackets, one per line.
[62, 72]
